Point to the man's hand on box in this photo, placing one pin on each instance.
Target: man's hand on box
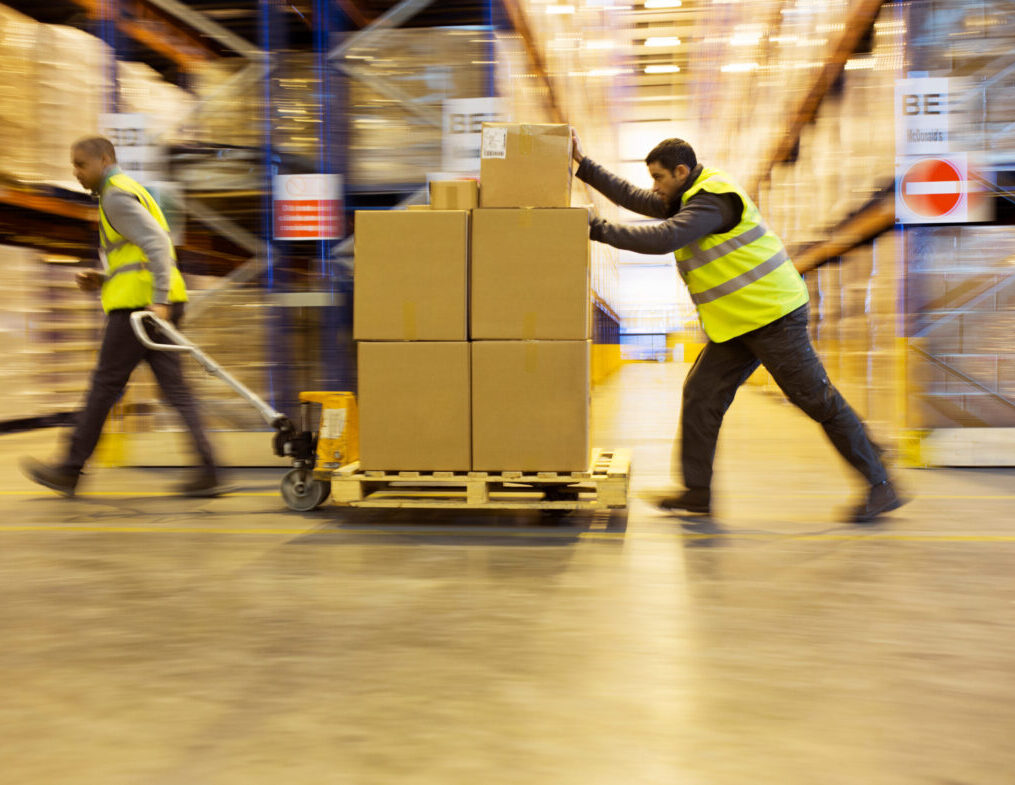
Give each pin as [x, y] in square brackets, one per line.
[576, 147]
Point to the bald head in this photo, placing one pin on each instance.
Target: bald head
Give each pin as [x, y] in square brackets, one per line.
[95, 147]
[91, 156]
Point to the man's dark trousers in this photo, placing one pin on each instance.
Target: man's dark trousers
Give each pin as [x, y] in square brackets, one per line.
[121, 352]
[784, 348]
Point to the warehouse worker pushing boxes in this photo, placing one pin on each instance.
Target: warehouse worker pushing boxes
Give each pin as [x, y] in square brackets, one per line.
[474, 324]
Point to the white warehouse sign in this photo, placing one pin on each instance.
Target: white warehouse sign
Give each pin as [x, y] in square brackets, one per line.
[922, 124]
[463, 130]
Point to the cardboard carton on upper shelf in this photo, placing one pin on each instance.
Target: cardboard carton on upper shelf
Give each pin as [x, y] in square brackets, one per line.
[414, 406]
[530, 274]
[525, 165]
[530, 405]
[411, 275]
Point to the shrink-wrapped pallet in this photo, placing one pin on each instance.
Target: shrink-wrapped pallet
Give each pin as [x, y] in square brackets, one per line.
[144, 91]
[18, 121]
[69, 90]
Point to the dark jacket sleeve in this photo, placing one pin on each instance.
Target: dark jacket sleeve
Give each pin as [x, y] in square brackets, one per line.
[703, 214]
[620, 191]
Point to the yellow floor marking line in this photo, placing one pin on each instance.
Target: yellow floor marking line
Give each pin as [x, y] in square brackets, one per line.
[153, 529]
[140, 494]
[267, 494]
[529, 534]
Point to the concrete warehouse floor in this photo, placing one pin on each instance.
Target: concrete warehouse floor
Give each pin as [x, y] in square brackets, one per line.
[153, 640]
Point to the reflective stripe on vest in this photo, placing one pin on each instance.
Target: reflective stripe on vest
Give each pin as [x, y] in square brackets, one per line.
[128, 281]
[742, 279]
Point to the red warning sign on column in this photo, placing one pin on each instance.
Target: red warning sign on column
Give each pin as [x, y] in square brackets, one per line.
[308, 207]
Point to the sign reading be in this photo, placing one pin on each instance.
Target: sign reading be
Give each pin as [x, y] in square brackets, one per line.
[928, 103]
[470, 123]
[463, 131]
[921, 116]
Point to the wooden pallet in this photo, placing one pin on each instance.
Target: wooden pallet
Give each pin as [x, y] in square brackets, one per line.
[603, 487]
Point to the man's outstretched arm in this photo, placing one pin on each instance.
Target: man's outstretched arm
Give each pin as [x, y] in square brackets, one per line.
[620, 191]
[702, 214]
[616, 189]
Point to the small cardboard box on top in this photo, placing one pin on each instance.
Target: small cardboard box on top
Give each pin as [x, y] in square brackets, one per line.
[530, 406]
[414, 406]
[454, 194]
[530, 274]
[411, 275]
[525, 165]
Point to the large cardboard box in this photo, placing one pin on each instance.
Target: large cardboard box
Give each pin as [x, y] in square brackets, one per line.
[525, 165]
[530, 274]
[411, 276]
[454, 194]
[530, 405]
[414, 406]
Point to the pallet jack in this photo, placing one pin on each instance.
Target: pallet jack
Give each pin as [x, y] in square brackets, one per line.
[300, 489]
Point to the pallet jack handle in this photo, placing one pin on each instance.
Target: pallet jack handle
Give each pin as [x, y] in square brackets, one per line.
[180, 343]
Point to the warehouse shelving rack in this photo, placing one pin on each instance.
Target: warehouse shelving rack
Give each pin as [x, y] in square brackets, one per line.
[225, 231]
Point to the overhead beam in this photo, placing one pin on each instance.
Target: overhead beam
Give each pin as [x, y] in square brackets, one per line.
[208, 26]
[869, 222]
[357, 15]
[394, 17]
[858, 20]
[520, 23]
[154, 31]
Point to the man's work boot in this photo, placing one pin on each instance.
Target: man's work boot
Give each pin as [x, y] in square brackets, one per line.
[53, 477]
[881, 498]
[203, 484]
[694, 500]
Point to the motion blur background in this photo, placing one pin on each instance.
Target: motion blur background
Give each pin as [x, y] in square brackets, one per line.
[209, 100]
[153, 639]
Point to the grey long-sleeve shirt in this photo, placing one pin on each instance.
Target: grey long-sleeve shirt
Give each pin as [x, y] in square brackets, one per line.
[704, 213]
[131, 219]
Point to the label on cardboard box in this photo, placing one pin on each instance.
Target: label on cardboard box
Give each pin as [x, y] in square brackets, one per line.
[494, 142]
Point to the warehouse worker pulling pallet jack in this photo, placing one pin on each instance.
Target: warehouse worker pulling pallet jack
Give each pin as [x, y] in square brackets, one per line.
[752, 304]
[140, 274]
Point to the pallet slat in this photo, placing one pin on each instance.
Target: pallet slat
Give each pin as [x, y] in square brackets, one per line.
[603, 486]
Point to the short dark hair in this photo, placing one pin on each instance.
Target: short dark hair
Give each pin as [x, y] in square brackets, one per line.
[670, 153]
[95, 146]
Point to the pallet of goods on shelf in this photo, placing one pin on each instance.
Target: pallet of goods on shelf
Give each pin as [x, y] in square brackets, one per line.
[70, 84]
[962, 295]
[18, 123]
[389, 143]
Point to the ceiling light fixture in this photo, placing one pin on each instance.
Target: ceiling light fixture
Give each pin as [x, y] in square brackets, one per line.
[662, 40]
[662, 69]
[662, 4]
[738, 68]
[860, 64]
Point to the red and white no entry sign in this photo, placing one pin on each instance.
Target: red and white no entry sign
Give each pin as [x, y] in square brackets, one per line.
[932, 189]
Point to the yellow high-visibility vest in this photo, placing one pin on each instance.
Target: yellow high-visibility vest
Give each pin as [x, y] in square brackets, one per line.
[128, 281]
[742, 279]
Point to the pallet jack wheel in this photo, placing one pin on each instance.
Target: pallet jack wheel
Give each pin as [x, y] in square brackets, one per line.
[302, 492]
[558, 493]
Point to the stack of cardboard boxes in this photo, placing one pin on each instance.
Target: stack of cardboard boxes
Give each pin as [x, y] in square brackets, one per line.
[473, 318]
